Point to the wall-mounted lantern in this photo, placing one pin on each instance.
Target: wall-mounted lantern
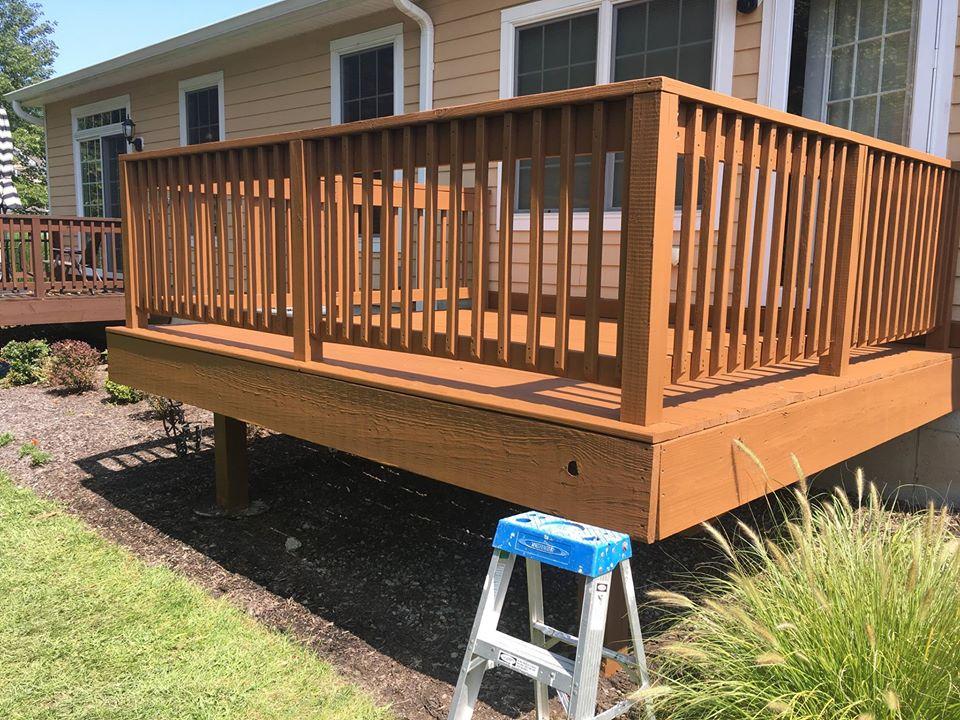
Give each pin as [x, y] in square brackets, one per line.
[129, 134]
[747, 6]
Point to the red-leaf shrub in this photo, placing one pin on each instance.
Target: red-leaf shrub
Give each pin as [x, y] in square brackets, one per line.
[73, 366]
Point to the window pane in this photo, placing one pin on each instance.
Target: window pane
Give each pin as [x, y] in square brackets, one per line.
[583, 35]
[841, 73]
[868, 67]
[697, 19]
[662, 62]
[695, 64]
[871, 19]
[629, 68]
[864, 114]
[892, 109]
[556, 45]
[664, 24]
[839, 113]
[202, 115]
[896, 61]
[899, 15]
[530, 50]
[845, 22]
[631, 29]
[367, 83]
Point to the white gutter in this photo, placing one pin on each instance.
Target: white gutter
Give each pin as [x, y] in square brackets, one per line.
[26, 116]
[425, 22]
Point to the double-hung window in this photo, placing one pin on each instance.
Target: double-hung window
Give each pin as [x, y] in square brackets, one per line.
[367, 75]
[201, 109]
[98, 143]
[561, 44]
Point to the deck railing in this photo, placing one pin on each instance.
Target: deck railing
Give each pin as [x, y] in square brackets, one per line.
[41, 254]
[796, 240]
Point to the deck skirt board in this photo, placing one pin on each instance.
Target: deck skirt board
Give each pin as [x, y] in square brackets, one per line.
[77, 308]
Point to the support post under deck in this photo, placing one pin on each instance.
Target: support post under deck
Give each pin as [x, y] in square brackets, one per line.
[230, 455]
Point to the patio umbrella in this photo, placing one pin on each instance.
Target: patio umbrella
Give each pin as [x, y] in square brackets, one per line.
[9, 199]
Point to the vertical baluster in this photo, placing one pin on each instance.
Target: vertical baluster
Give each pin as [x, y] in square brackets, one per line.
[430, 237]
[505, 241]
[303, 349]
[701, 310]
[692, 156]
[792, 247]
[388, 242]
[836, 361]
[366, 200]
[409, 203]
[949, 223]
[222, 259]
[805, 255]
[332, 240]
[902, 240]
[348, 242]
[481, 240]
[598, 169]
[873, 205]
[281, 161]
[535, 269]
[454, 237]
[933, 266]
[268, 244]
[733, 154]
[745, 220]
[209, 221]
[918, 248]
[568, 140]
[820, 240]
[774, 271]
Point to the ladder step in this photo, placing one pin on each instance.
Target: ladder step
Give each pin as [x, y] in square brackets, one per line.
[572, 640]
[527, 659]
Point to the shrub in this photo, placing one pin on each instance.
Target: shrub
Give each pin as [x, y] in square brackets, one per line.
[37, 456]
[122, 394]
[853, 614]
[6, 438]
[72, 366]
[25, 359]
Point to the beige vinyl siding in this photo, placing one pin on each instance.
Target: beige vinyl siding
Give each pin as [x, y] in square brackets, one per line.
[272, 88]
[746, 58]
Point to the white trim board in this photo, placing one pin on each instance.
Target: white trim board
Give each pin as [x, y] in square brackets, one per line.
[540, 11]
[391, 34]
[776, 40]
[201, 82]
[76, 136]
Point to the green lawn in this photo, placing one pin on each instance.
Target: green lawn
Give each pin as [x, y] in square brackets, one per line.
[88, 631]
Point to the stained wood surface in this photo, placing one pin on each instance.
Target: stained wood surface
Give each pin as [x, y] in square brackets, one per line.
[61, 309]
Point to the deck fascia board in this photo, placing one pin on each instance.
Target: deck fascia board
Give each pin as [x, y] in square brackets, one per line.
[61, 309]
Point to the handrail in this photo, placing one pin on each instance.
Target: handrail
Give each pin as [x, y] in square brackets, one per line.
[797, 241]
[42, 254]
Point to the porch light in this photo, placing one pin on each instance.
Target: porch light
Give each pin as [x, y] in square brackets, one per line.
[129, 127]
[747, 6]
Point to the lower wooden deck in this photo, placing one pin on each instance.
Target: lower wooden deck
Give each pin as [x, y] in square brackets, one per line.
[546, 442]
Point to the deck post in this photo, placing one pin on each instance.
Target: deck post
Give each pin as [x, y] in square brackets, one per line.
[305, 348]
[135, 316]
[939, 339]
[837, 359]
[647, 235]
[36, 257]
[230, 456]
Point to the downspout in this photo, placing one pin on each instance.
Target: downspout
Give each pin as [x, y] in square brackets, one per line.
[425, 22]
[26, 116]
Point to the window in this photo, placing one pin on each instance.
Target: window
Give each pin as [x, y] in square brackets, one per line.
[560, 44]
[98, 143]
[367, 75]
[201, 109]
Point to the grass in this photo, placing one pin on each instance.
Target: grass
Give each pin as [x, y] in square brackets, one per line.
[88, 631]
[6, 438]
[853, 614]
[37, 456]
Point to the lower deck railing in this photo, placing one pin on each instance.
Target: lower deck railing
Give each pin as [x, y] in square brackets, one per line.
[41, 254]
[744, 237]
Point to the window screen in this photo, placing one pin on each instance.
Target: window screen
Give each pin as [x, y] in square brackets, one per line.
[366, 82]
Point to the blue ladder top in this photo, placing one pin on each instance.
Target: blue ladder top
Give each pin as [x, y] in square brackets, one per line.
[583, 549]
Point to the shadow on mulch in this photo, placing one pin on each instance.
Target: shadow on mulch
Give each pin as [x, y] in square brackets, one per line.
[391, 558]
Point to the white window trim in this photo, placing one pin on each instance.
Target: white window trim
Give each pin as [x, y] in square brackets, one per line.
[533, 13]
[932, 77]
[776, 39]
[121, 101]
[201, 82]
[391, 34]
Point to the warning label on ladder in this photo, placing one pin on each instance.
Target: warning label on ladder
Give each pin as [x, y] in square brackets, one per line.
[518, 664]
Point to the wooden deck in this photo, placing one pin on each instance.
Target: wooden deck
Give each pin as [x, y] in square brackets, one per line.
[60, 270]
[812, 316]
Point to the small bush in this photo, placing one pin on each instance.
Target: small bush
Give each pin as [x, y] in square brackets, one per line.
[122, 394]
[25, 359]
[37, 456]
[72, 366]
[853, 614]
[6, 438]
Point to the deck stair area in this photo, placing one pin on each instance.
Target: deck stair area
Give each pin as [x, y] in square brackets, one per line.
[774, 283]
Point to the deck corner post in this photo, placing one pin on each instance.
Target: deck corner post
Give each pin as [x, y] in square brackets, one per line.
[647, 234]
[305, 347]
[232, 468]
[135, 315]
[940, 337]
[36, 257]
[837, 359]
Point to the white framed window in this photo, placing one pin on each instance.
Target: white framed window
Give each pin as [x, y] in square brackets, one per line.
[366, 75]
[201, 109]
[560, 44]
[882, 67]
[98, 143]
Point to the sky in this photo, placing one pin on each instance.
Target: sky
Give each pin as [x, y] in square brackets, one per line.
[89, 31]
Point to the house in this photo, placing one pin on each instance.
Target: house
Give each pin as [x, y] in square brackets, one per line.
[627, 364]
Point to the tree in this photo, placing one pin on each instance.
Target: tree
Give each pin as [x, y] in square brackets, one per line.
[27, 52]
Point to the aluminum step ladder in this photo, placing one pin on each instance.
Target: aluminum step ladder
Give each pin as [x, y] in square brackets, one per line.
[589, 551]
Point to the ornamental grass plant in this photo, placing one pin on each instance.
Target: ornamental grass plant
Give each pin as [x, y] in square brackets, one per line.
[851, 612]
